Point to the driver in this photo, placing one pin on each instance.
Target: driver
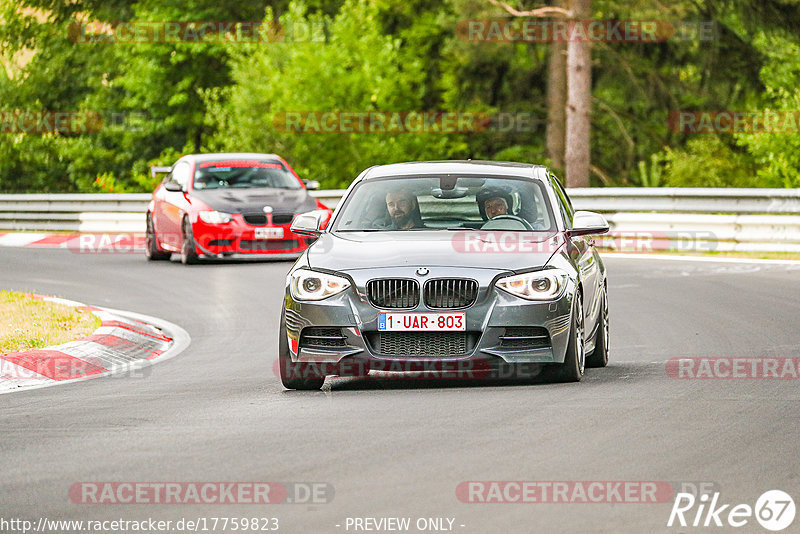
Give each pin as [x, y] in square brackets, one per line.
[403, 208]
[493, 201]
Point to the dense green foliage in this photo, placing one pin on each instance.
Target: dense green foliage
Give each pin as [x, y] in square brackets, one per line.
[160, 99]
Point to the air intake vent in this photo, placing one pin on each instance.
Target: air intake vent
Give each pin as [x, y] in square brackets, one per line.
[525, 337]
[393, 293]
[322, 338]
[417, 344]
[450, 293]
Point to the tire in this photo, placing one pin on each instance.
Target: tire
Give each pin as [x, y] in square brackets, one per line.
[599, 357]
[188, 250]
[151, 250]
[295, 375]
[575, 359]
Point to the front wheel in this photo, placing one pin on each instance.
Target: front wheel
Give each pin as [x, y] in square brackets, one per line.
[575, 359]
[599, 357]
[151, 250]
[188, 250]
[295, 375]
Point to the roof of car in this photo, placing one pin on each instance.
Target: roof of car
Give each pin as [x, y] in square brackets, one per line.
[231, 155]
[502, 168]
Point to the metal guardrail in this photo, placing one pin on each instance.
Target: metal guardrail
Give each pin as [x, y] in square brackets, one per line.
[687, 200]
[67, 213]
[664, 199]
[718, 219]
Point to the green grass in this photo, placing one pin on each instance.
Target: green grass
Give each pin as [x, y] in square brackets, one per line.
[27, 323]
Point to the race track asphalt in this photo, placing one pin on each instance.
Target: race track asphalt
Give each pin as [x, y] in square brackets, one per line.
[397, 448]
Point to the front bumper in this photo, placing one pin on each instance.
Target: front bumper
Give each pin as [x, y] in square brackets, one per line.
[487, 322]
[237, 237]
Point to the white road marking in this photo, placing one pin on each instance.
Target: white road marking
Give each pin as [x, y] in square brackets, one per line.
[20, 239]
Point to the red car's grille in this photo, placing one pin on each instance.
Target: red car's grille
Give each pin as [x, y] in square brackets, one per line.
[268, 245]
[257, 219]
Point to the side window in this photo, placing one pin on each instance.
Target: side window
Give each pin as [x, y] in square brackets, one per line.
[181, 175]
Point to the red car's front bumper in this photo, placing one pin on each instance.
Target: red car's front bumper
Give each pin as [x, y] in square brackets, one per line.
[240, 237]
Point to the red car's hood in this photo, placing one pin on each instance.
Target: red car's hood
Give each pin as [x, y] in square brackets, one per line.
[253, 200]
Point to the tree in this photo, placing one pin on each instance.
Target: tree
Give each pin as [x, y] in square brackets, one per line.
[557, 101]
[330, 70]
[577, 151]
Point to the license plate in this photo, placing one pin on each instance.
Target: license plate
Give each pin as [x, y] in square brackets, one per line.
[269, 233]
[422, 322]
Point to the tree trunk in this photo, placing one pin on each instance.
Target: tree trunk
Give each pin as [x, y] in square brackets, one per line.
[579, 95]
[557, 100]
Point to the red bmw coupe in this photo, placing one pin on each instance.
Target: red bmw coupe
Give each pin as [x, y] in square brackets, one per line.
[221, 205]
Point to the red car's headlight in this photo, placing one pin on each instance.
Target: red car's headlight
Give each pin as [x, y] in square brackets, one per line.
[215, 217]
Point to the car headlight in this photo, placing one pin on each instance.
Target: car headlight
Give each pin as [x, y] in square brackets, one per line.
[538, 285]
[311, 285]
[214, 217]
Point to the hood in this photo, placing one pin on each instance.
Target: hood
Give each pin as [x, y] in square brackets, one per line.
[254, 199]
[506, 251]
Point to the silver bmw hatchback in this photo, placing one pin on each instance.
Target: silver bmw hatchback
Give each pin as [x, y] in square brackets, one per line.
[447, 268]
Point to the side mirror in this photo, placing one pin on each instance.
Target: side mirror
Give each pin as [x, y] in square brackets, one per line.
[588, 222]
[311, 185]
[309, 223]
[173, 186]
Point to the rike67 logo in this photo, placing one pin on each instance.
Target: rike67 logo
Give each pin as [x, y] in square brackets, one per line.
[774, 510]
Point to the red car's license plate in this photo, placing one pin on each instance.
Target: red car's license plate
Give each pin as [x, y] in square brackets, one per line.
[268, 233]
[422, 322]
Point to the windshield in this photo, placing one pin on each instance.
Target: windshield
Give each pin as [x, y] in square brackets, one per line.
[243, 174]
[446, 202]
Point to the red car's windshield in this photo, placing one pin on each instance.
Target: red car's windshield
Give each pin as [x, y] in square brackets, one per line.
[244, 174]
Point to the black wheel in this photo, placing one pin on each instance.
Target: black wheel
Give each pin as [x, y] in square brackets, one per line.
[599, 357]
[295, 375]
[188, 250]
[575, 359]
[151, 250]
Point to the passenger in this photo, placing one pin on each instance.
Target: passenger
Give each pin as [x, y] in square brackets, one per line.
[493, 201]
[403, 208]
